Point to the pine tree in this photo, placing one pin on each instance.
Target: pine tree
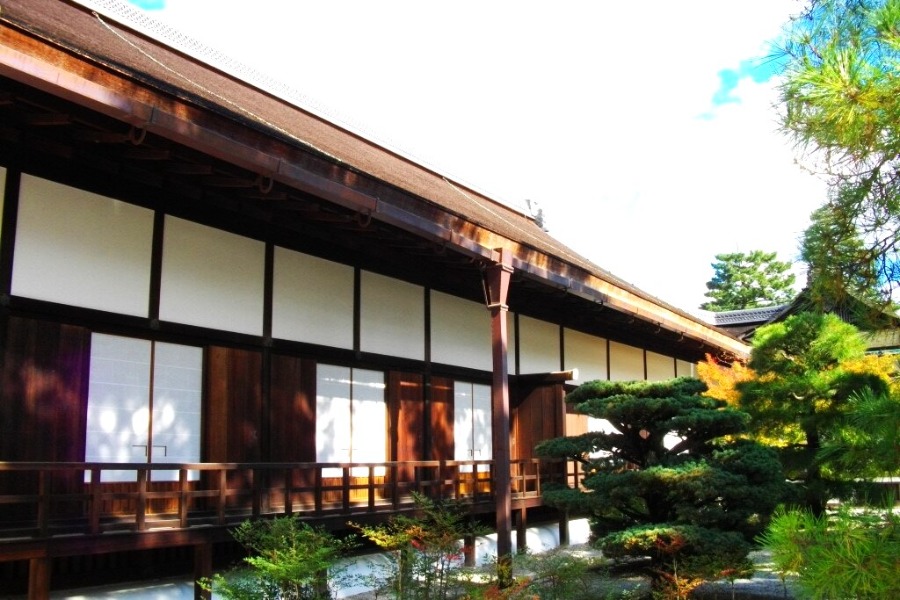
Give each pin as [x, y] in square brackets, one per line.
[751, 280]
[841, 105]
[667, 479]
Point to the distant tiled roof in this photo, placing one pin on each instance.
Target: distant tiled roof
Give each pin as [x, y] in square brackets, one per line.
[748, 316]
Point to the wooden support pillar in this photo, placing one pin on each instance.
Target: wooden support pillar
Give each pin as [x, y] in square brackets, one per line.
[522, 530]
[202, 569]
[496, 280]
[469, 550]
[39, 578]
[563, 528]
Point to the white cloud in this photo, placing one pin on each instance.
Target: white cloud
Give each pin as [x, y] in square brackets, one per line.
[592, 109]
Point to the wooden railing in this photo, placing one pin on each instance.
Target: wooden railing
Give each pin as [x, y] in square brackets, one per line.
[42, 500]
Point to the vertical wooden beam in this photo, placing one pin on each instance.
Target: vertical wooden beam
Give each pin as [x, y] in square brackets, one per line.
[202, 569]
[563, 528]
[39, 578]
[522, 530]
[497, 279]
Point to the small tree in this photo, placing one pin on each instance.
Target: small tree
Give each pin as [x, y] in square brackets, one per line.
[667, 479]
[425, 549]
[748, 281]
[807, 369]
[289, 560]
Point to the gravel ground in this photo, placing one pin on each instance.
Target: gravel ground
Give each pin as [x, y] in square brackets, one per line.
[764, 585]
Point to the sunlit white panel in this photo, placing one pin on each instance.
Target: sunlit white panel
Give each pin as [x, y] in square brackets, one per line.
[368, 420]
[685, 369]
[472, 423]
[392, 317]
[587, 353]
[211, 278]
[333, 438]
[177, 392]
[82, 249]
[626, 363]
[482, 441]
[460, 332]
[659, 367]
[312, 300]
[118, 415]
[538, 346]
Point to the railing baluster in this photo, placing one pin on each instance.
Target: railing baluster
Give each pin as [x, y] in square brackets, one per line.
[254, 489]
[96, 501]
[395, 485]
[371, 487]
[141, 512]
[182, 497]
[288, 495]
[43, 509]
[345, 488]
[223, 484]
[318, 491]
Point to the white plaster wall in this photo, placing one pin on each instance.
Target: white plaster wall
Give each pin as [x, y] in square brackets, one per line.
[626, 363]
[659, 367]
[460, 332]
[312, 300]
[587, 353]
[82, 249]
[211, 278]
[392, 315]
[538, 346]
[685, 369]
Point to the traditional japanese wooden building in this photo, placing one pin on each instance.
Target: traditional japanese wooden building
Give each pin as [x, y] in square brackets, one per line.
[215, 303]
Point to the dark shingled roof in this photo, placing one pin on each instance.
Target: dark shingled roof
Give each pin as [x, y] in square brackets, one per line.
[104, 41]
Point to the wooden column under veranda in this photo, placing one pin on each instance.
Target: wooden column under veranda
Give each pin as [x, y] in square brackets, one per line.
[497, 278]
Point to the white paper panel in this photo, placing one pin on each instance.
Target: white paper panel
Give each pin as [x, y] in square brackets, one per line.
[392, 317]
[122, 425]
[587, 353]
[211, 278]
[351, 418]
[685, 369]
[118, 403]
[460, 332]
[82, 249]
[177, 393]
[369, 418]
[312, 300]
[472, 437]
[538, 346]
[332, 414]
[626, 363]
[659, 367]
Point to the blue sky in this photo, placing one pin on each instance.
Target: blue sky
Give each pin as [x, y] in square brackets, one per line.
[646, 131]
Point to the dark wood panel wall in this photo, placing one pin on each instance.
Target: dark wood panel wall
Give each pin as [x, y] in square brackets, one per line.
[43, 394]
[537, 413]
[233, 423]
[292, 410]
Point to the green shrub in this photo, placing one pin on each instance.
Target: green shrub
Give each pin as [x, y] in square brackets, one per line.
[289, 560]
[851, 554]
[425, 551]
